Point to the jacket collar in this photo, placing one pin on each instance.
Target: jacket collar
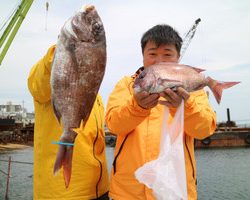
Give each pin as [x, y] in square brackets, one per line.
[137, 72]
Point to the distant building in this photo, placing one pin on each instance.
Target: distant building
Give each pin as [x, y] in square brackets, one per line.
[30, 117]
[17, 112]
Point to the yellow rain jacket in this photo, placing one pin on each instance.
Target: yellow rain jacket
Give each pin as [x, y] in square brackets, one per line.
[138, 138]
[89, 178]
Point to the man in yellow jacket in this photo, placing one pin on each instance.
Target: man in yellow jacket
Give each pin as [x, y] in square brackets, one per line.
[136, 120]
[89, 178]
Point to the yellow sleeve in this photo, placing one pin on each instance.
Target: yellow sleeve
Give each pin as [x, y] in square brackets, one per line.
[122, 108]
[39, 77]
[199, 117]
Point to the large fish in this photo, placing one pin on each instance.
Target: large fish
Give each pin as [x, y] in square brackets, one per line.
[77, 72]
[158, 77]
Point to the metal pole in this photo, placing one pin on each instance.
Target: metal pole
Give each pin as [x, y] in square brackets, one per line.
[8, 180]
[13, 27]
[12, 23]
[229, 123]
[228, 116]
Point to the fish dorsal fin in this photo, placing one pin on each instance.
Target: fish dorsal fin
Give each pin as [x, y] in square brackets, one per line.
[57, 113]
[196, 69]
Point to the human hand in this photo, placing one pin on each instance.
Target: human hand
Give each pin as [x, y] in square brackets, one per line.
[173, 98]
[146, 100]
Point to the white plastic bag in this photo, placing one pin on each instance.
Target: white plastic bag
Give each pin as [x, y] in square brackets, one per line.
[166, 175]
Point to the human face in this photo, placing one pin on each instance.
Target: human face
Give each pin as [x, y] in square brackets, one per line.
[164, 53]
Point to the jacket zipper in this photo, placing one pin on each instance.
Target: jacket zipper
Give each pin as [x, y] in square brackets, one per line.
[190, 159]
[100, 164]
[119, 151]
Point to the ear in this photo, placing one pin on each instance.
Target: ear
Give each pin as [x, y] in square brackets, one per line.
[178, 56]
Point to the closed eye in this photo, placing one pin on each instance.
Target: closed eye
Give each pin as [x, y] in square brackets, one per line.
[167, 55]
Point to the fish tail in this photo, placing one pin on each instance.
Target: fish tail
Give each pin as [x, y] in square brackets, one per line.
[217, 87]
[64, 159]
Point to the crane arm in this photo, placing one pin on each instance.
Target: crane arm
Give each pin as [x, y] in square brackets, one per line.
[13, 26]
[188, 37]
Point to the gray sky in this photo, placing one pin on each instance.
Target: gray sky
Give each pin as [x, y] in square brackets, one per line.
[220, 45]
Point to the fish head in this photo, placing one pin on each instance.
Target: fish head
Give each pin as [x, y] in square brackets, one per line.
[154, 79]
[86, 25]
[145, 81]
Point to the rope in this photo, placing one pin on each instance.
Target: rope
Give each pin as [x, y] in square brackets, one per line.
[3, 172]
[7, 174]
[46, 15]
[29, 163]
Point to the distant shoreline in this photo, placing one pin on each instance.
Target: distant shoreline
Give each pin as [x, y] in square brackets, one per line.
[11, 146]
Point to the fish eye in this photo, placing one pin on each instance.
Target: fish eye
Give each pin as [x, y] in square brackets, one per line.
[96, 26]
[142, 75]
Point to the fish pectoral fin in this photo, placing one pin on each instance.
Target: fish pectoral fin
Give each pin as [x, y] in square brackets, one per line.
[170, 83]
[64, 159]
[160, 80]
[75, 131]
[57, 113]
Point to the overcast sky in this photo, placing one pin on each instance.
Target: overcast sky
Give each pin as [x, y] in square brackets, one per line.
[221, 44]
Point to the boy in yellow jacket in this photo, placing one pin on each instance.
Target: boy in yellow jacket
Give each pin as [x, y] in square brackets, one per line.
[136, 120]
[89, 178]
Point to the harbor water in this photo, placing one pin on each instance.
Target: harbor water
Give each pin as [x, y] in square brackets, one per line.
[221, 173]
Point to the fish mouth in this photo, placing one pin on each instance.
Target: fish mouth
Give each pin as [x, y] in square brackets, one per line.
[88, 8]
[97, 28]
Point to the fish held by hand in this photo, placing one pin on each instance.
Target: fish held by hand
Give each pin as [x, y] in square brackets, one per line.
[158, 77]
[77, 72]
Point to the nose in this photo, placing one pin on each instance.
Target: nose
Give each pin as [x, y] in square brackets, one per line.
[156, 60]
[159, 59]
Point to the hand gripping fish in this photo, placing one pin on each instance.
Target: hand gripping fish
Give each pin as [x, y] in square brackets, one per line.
[77, 72]
[158, 77]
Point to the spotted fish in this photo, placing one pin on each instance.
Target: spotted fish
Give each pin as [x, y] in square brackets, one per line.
[77, 72]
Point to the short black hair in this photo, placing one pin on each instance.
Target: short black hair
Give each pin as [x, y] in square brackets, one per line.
[162, 34]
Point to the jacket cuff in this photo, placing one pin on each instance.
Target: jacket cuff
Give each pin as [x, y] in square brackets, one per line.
[190, 103]
[138, 109]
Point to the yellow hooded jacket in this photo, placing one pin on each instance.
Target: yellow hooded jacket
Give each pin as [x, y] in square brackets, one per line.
[138, 138]
[89, 178]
